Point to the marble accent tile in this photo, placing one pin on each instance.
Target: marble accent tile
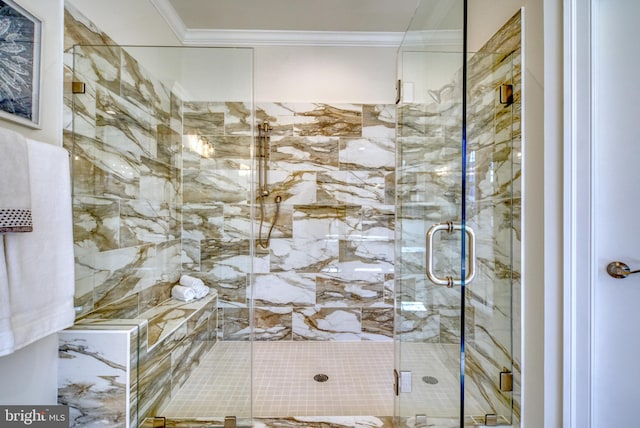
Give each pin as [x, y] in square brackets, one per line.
[230, 152]
[225, 265]
[351, 187]
[327, 324]
[104, 171]
[379, 120]
[81, 108]
[168, 259]
[80, 30]
[144, 90]
[283, 227]
[273, 323]
[238, 118]
[327, 119]
[125, 126]
[367, 255]
[93, 380]
[294, 188]
[284, 289]
[169, 145]
[367, 154]
[190, 255]
[350, 290]
[154, 387]
[317, 153]
[226, 186]
[236, 324]
[144, 221]
[418, 326]
[303, 255]
[99, 64]
[377, 324]
[125, 308]
[186, 356]
[119, 273]
[320, 222]
[202, 118]
[153, 296]
[202, 221]
[95, 224]
[279, 115]
[176, 113]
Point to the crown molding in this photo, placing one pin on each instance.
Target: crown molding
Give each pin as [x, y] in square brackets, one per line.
[206, 37]
[292, 38]
[172, 18]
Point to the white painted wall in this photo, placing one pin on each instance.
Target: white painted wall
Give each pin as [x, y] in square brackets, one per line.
[29, 376]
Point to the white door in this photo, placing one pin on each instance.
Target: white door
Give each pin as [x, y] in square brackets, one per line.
[616, 202]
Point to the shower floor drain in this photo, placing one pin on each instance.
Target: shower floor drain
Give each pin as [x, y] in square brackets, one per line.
[430, 380]
[321, 378]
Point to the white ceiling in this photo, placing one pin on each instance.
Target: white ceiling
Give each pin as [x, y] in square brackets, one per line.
[296, 15]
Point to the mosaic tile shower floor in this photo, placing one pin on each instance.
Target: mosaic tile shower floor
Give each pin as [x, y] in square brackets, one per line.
[360, 381]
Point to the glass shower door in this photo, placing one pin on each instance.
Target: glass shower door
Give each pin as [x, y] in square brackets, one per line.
[457, 207]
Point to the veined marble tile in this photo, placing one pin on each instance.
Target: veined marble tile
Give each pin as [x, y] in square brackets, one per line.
[100, 65]
[168, 260]
[230, 152]
[175, 121]
[93, 377]
[280, 117]
[153, 296]
[379, 121]
[82, 108]
[203, 123]
[418, 326]
[325, 422]
[352, 187]
[118, 273]
[95, 224]
[225, 266]
[143, 89]
[283, 226]
[155, 387]
[227, 186]
[101, 170]
[378, 223]
[295, 188]
[169, 146]
[202, 221]
[123, 125]
[80, 30]
[327, 119]
[371, 153]
[319, 153]
[377, 324]
[144, 221]
[126, 308]
[367, 256]
[303, 255]
[284, 289]
[190, 255]
[236, 324]
[327, 324]
[273, 323]
[320, 222]
[350, 290]
[238, 118]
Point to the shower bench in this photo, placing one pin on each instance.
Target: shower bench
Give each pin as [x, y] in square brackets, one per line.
[123, 370]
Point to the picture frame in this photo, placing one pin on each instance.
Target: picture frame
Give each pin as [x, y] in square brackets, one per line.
[20, 51]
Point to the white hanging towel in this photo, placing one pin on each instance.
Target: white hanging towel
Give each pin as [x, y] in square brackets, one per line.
[15, 195]
[39, 265]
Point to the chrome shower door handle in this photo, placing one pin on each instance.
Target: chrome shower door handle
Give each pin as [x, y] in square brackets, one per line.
[451, 227]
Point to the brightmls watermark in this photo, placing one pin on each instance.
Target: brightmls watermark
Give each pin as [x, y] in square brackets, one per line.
[34, 416]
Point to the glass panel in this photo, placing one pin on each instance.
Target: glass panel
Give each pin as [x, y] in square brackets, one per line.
[162, 157]
[429, 192]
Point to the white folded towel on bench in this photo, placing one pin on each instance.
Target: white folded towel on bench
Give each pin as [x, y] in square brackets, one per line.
[196, 284]
[185, 294]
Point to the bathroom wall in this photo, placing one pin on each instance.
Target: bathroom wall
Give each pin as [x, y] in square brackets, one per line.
[126, 177]
[327, 273]
[34, 368]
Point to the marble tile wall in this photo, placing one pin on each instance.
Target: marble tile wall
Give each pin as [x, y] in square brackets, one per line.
[429, 177]
[327, 272]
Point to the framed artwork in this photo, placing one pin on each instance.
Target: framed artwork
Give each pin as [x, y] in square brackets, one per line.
[20, 46]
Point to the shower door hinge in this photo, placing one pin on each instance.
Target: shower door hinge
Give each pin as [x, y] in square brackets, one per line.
[398, 91]
[491, 420]
[159, 422]
[506, 380]
[78, 88]
[506, 94]
[229, 422]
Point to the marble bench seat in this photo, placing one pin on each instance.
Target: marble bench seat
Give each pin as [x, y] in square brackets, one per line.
[144, 360]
